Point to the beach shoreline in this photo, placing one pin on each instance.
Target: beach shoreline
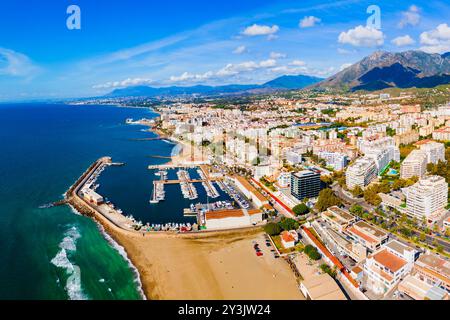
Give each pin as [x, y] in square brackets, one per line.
[211, 265]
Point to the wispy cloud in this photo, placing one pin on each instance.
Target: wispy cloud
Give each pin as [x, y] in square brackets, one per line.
[411, 17]
[16, 64]
[309, 21]
[260, 30]
[125, 83]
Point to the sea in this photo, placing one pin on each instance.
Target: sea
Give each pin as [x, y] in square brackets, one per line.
[55, 253]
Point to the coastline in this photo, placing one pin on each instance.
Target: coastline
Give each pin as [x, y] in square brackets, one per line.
[194, 266]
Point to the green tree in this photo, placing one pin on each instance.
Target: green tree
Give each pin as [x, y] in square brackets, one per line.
[312, 252]
[357, 192]
[301, 209]
[422, 237]
[327, 199]
[357, 210]
[272, 229]
[288, 224]
[371, 195]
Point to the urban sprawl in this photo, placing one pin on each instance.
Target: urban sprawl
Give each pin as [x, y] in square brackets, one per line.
[350, 189]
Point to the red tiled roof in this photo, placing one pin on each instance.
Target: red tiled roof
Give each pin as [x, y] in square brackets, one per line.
[389, 260]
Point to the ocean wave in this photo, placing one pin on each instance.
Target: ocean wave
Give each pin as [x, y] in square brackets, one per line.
[123, 253]
[61, 260]
[75, 211]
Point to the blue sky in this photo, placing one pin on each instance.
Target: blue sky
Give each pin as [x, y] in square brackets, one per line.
[161, 43]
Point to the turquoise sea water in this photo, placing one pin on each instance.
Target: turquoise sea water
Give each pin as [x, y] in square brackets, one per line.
[55, 253]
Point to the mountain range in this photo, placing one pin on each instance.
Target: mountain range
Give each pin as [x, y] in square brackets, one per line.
[278, 84]
[386, 70]
[378, 71]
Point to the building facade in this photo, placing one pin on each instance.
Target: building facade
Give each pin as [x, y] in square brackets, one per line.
[305, 184]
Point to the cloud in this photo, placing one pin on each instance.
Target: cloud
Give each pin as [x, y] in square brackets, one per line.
[343, 51]
[240, 50]
[123, 84]
[298, 63]
[362, 37]
[16, 64]
[345, 66]
[403, 41]
[436, 40]
[308, 22]
[277, 55]
[229, 70]
[234, 69]
[186, 76]
[260, 30]
[410, 17]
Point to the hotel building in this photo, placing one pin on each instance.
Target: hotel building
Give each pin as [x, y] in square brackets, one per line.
[361, 173]
[305, 184]
[435, 151]
[415, 165]
[427, 198]
[335, 160]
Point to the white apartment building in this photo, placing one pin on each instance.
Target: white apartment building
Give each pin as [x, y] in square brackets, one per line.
[435, 151]
[361, 173]
[334, 159]
[293, 157]
[365, 145]
[387, 266]
[427, 198]
[442, 134]
[383, 156]
[284, 179]
[415, 165]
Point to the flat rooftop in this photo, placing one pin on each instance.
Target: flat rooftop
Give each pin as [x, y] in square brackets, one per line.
[389, 260]
[247, 185]
[370, 230]
[440, 266]
[323, 287]
[340, 214]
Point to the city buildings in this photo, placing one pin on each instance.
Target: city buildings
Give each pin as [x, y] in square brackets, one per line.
[427, 198]
[228, 219]
[415, 165]
[361, 173]
[335, 160]
[370, 237]
[433, 270]
[420, 290]
[305, 184]
[442, 134]
[435, 151]
[338, 218]
[386, 267]
[250, 191]
[288, 239]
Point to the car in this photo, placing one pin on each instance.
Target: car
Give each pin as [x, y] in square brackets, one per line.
[259, 254]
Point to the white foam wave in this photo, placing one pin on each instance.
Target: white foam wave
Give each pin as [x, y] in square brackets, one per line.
[123, 253]
[74, 210]
[61, 260]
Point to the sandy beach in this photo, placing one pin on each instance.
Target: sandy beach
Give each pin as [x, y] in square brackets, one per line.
[207, 266]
